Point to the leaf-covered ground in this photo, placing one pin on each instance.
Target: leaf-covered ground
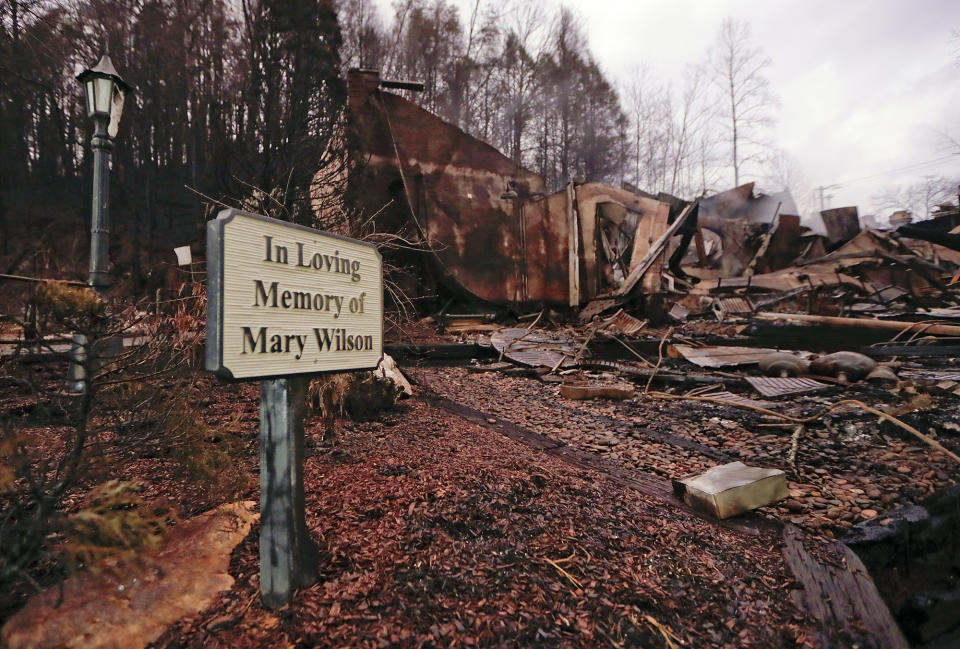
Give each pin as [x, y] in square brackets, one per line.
[435, 532]
[848, 465]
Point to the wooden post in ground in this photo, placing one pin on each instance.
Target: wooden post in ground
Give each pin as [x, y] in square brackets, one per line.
[288, 558]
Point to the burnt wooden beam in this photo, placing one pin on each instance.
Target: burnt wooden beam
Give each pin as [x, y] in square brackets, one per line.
[416, 86]
[838, 592]
[447, 351]
[913, 351]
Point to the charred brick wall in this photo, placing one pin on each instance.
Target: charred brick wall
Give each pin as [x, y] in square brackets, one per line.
[483, 215]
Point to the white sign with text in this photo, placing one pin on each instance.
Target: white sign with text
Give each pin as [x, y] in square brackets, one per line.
[285, 299]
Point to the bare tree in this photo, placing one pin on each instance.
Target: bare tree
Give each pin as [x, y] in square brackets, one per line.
[635, 91]
[749, 103]
[363, 34]
[919, 198]
[472, 67]
[520, 66]
[569, 42]
[949, 141]
[783, 171]
[646, 100]
[689, 142]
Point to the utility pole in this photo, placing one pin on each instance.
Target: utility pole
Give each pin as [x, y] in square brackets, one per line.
[820, 189]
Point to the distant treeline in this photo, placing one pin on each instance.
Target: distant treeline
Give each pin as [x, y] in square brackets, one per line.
[509, 74]
[522, 77]
[233, 95]
[229, 96]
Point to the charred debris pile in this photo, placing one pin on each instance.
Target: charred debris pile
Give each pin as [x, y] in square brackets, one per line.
[833, 361]
[646, 280]
[483, 235]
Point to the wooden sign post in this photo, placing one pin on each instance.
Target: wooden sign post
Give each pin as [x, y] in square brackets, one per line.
[285, 302]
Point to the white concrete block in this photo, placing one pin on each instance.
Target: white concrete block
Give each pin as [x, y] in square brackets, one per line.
[730, 489]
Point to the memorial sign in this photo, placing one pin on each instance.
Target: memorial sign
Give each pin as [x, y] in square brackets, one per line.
[284, 302]
[284, 299]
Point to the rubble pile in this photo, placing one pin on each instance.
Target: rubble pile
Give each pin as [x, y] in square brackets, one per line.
[829, 357]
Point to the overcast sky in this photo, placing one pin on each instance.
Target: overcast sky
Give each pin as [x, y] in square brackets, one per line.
[864, 85]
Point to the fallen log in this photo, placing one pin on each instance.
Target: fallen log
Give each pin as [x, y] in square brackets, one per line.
[442, 351]
[864, 323]
[581, 390]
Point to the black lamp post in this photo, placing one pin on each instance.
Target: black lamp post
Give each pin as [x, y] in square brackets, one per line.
[105, 91]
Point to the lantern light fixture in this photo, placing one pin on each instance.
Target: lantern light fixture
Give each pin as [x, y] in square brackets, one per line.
[102, 83]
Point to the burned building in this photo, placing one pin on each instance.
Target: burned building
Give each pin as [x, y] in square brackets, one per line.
[489, 226]
[489, 231]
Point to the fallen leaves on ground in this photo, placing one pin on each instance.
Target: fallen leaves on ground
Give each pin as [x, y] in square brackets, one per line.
[435, 532]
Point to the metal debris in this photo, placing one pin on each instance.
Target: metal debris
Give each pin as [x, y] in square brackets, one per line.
[771, 386]
[739, 399]
[596, 307]
[725, 306]
[625, 323]
[534, 348]
[945, 314]
[678, 313]
[932, 375]
[722, 356]
[489, 367]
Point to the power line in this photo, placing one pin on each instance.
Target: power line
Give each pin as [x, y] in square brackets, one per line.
[913, 167]
[893, 171]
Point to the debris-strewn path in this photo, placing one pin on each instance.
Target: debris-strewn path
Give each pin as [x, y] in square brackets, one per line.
[834, 586]
[841, 476]
[437, 532]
